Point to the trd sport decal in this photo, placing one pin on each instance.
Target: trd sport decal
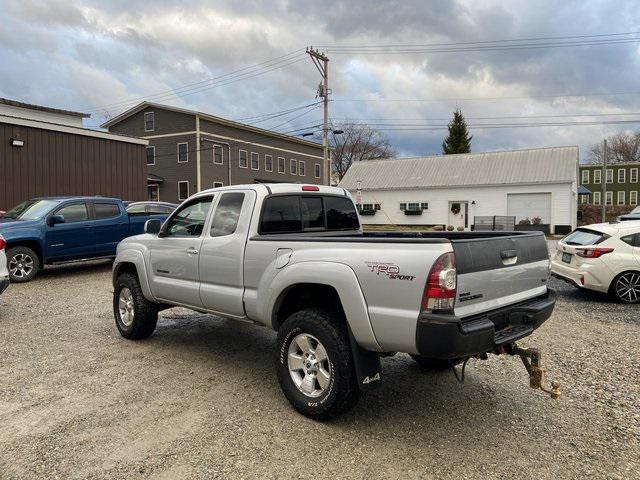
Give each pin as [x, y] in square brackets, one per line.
[391, 270]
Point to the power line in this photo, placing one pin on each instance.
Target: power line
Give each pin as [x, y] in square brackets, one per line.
[505, 117]
[481, 126]
[213, 82]
[470, 99]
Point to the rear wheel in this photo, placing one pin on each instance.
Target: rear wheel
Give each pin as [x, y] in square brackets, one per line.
[435, 363]
[626, 287]
[314, 364]
[135, 316]
[23, 264]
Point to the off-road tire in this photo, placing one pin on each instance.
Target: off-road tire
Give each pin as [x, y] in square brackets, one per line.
[432, 364]
[26, 251]
[328, 328]
[145, 312]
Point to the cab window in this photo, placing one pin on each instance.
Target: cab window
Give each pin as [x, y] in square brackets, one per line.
[227, 214]
[189, 220]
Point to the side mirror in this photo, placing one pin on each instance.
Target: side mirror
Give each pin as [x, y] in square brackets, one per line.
[55, 220]
[152, 226]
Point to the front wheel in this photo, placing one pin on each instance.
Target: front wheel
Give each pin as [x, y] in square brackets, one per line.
[626, 287]
[315, 366]
[23, 264]
[135, 316]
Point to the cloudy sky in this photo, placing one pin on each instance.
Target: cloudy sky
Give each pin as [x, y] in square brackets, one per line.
[243, 59]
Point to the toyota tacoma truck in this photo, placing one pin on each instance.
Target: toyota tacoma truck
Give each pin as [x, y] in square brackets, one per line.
[295, 258]
[54, 230]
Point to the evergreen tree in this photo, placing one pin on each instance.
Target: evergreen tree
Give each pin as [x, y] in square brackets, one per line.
[458, 140]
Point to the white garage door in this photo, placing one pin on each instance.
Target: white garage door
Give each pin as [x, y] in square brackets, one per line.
[529, 205]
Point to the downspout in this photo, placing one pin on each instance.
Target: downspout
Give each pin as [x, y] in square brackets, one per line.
[198, 171]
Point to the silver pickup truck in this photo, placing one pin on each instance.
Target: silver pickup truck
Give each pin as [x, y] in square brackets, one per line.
[4, 273]
[294, 258]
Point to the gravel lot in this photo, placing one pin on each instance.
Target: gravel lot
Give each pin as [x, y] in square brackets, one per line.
[200, 399]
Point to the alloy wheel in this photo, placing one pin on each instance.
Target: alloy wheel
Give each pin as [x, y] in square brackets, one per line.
[628, 287]
[21, 265]
[126, 307]
[309, 365]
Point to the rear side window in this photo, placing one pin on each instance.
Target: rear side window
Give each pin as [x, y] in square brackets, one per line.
[633, 240]
[281, 215]
[584, 236]
[106, 210]
[299, 213]
[227, 214]
[138, 209]
[341, 214]
[159, 210]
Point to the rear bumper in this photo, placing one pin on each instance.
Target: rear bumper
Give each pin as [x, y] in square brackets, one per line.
[4, 283]
[445, 336]
[591, 276]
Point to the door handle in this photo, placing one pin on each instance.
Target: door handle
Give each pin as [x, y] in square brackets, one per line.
[192, 251]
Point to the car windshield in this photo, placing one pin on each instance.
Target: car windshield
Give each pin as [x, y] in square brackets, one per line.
[584, 236]
[31, 210]
[636, 210]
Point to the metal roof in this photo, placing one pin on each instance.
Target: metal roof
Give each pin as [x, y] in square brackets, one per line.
[582, 190]
[536, 165]
[41, 108]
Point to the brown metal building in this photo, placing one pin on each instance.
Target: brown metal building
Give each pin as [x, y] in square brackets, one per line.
[191, 151]
[46, 152]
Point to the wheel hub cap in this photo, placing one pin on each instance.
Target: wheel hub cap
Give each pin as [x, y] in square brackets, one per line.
[628, 287]
[309, 365]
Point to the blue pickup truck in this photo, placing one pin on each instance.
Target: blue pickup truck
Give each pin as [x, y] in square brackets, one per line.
[52, 230]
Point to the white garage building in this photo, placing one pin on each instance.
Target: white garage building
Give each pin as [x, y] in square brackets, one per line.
[453, 189]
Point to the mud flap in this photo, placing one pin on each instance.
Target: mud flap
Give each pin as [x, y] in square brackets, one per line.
[367, 365]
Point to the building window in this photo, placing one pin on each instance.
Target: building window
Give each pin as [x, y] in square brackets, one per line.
[622, 175]
[302, 168]
[281, 165]
[621, 197]
[294, 167]
[585, 177]
[255, 161]
[403, 207]
[268, 163]
[633, 198]
[597, 176]
[609, 198]
[633, 174]
[183, 152]
[597, 198]
[412, 206]
[424, 206]
[149, 122]
[242, 159]
[151, 155]
[217, 154]
[183, 190]
[584, 199]
[317, 170]
[609, 178]
[217, 184]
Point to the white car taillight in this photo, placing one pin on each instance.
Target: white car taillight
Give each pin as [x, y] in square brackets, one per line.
[592, 252]
[3, 243]
[440, 289]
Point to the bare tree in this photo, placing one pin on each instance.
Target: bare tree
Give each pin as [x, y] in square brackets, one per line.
[621, 147]
[358, 142]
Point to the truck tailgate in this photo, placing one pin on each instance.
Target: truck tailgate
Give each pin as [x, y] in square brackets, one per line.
[497, 271]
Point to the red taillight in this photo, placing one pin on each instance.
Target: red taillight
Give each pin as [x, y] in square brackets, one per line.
[440, 290]
[310, 188]
[592, 252]
[3, 243]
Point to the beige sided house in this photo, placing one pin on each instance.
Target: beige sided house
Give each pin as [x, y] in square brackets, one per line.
[191, 151]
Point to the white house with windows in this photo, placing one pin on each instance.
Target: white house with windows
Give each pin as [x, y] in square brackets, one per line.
[454, 189]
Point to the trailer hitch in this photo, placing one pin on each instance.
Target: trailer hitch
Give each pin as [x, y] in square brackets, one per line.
[531, 359]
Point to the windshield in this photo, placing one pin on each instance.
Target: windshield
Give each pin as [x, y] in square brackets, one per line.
[31, 210]
[636, 210]
[584, 236]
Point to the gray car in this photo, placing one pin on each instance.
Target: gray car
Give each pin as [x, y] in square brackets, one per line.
[4, 273]
[632, 215]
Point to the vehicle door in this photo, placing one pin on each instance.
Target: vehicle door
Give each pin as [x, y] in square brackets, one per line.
[634, 241]
[74, 238]
[222, 253]
[174, 254]
[110, 226]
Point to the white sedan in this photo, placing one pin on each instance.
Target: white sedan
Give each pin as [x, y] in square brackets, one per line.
[4, 273]
[604, 257]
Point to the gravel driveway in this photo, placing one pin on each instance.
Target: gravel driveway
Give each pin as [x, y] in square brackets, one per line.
[200, 399]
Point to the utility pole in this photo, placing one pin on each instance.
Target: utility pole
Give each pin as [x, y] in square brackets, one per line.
[321, 61]
[604, 181]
